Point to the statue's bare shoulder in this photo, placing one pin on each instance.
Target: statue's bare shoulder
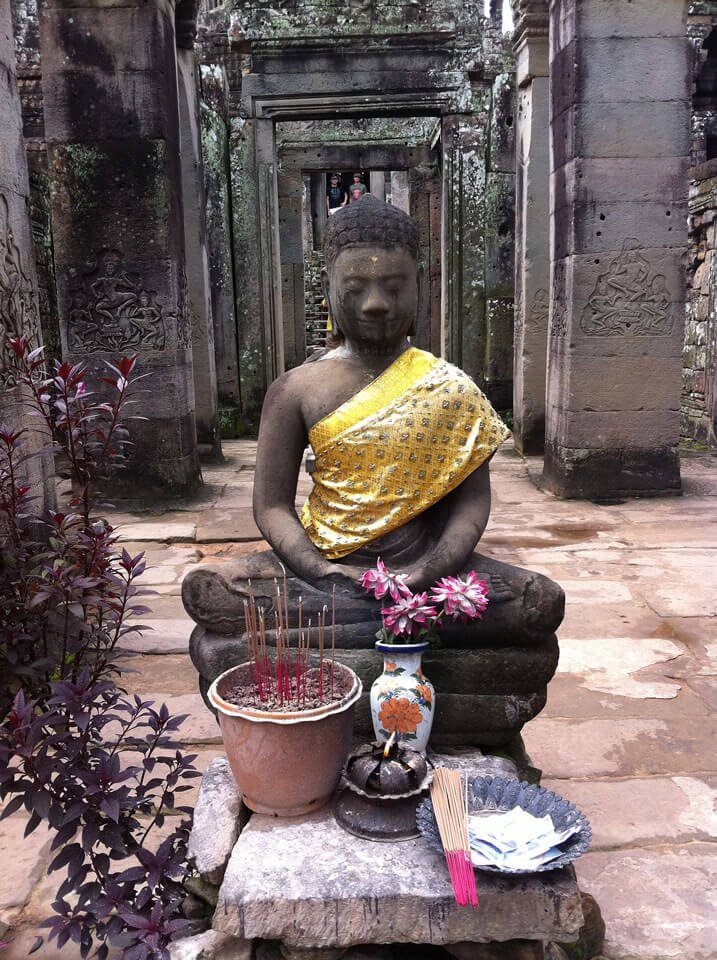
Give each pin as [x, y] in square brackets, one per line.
[315, 389]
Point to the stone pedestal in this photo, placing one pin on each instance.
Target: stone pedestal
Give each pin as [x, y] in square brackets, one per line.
[307, 883]
[112, 128]
[532, 226]
[619, 229]
[19, 314]
[206, 399]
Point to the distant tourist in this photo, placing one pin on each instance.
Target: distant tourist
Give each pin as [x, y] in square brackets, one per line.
[357, 189]
[336, 196]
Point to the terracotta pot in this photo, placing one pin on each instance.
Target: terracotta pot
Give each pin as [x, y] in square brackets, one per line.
[286, 764]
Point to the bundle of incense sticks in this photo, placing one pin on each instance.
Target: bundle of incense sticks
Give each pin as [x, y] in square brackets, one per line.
[449, 799]
[283, 679]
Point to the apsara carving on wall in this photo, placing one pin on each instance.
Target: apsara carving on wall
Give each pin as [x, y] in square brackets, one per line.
[629, 300]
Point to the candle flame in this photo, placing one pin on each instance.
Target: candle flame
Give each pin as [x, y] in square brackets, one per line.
[389, 744]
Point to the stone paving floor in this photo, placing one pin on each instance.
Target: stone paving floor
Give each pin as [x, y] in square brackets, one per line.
[629, 729]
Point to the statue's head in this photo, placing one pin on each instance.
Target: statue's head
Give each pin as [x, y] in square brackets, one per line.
[372, 275]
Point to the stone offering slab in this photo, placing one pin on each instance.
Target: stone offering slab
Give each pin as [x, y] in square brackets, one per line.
[306, 882]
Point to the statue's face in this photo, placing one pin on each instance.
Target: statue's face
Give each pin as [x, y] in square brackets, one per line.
[373, 292]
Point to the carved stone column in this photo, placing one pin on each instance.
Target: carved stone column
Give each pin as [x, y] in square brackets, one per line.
[215, 155]
[424, 193]
[291, 189]
[197, 257]
[532, 225]
[112, 128]
[26, 23]
[464, 138]
[619, 230]
[19, 314]
[255, 231]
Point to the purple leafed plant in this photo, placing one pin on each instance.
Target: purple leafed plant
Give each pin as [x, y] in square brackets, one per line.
[99, 767]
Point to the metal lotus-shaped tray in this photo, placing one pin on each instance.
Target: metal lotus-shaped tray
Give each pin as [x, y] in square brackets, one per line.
[500, 793]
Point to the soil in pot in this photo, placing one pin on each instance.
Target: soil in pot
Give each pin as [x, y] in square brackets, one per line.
[311, 690]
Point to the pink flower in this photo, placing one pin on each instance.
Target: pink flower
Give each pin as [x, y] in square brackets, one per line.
[462, 599]
[409, 614]
[381, 581]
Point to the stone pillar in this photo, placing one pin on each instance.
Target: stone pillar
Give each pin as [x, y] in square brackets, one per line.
[619, 231]
[377, 184]
[19, 314]
[215, 156]
[206, 400]
[500, 244]
[399, 189]
[532, 226]
[250, 339]
[291, 190]
[268, 244]
[257, 260]
[464, 139]
[26, 25]
[112, 128]
[424, 191]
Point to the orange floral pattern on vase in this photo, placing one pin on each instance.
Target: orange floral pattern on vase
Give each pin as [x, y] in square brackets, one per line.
[400, 715]
[424, 692]
[389, 666]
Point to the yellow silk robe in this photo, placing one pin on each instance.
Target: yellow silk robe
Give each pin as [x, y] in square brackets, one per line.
[394, 449]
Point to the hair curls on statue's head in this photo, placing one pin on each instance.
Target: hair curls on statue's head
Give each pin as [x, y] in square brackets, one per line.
[369, 220]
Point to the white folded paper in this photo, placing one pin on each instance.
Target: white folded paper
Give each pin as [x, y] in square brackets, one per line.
[515, 839]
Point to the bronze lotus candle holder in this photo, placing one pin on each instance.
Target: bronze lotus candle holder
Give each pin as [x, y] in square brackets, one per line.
[383, 783]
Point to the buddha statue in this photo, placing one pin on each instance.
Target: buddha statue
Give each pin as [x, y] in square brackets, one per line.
[402, 442]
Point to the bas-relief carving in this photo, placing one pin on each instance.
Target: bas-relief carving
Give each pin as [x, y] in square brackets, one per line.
[18, 305]
[182, 316]
[629, 300]
[536, 317]
[559, 313]
[114, 311]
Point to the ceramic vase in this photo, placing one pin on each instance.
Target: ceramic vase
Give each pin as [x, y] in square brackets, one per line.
[285, 764]
[402, 698]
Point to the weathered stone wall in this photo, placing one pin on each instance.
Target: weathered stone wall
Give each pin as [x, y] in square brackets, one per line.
[698, 408]
[701, 24]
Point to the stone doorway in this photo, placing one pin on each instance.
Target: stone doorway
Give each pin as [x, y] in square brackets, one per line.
[399, 160]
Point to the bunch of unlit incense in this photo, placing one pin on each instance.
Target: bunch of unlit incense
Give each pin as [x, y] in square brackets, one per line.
[449, 796]
[288, 678]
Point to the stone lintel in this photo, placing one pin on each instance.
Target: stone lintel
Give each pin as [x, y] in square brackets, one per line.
[307, 882]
